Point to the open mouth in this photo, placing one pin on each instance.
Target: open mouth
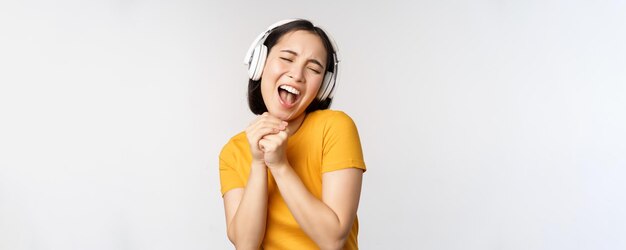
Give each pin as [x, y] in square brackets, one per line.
[288, 95]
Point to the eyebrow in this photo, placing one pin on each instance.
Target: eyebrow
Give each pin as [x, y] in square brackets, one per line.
[310, 60]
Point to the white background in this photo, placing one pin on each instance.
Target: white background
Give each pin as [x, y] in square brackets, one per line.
[485, 124]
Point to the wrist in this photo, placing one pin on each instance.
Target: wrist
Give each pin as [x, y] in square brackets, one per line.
[257, 167]
[278, 169]
[257, 164]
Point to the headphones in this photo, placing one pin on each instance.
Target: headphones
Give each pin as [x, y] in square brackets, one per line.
[257, 54]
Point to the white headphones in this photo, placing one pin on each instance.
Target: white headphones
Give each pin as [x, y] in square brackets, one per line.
[257, 54]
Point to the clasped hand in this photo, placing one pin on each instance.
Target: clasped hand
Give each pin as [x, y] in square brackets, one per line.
[267, 136]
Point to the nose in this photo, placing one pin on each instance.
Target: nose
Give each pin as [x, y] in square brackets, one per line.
[296, 72]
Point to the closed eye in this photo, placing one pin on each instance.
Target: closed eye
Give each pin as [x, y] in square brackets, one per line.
[315, 70]
[286, 59]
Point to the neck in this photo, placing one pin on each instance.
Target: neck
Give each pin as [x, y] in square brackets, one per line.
[294, 124]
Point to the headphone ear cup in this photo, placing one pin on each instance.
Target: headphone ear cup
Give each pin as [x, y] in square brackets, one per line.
[255, 69]
[254, 60]
[322, 93]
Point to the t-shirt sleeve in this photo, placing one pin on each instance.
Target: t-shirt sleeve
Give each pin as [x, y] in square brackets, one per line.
[342, 146]
[229, 177]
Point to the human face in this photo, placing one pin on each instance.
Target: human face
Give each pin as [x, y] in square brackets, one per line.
[293, 73]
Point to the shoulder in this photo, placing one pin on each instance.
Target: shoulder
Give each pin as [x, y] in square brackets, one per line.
[328, 115]
[332, 119]
[236, 145]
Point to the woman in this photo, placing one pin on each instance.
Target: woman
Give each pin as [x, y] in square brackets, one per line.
[292, 179]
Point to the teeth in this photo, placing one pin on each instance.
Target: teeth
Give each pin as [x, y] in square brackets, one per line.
[290, 89]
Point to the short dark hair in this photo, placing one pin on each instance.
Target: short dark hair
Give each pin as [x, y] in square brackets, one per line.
[255, 97]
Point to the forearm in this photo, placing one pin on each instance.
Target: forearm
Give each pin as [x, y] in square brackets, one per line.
[247, 228]
[315, 218]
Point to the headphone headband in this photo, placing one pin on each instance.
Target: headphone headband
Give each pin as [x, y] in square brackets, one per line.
[260, 39]
[257, 54]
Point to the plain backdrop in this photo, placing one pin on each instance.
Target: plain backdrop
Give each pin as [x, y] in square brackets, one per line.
[484, 124]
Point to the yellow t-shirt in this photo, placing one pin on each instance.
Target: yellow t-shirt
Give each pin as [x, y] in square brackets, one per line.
[327, 140]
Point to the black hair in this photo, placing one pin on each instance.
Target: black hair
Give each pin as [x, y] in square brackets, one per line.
[255, 97]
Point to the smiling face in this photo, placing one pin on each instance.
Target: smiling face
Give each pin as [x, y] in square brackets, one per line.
[293, 74]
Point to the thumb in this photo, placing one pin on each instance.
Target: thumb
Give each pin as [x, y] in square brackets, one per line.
[263, 144]
[283, 134]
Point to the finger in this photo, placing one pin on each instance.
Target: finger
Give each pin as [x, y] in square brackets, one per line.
[255, 134]
[259, 129]
[264, 125]
[275, 123]
[268, 124]
[261, 132]
[282, 135]
[268, 121]
[279, 136]
[268, 117]
[275, 139]
[261, 145]
[267, 145]
[263, 116]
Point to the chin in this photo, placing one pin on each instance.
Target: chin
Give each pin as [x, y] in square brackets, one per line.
[285, 115]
